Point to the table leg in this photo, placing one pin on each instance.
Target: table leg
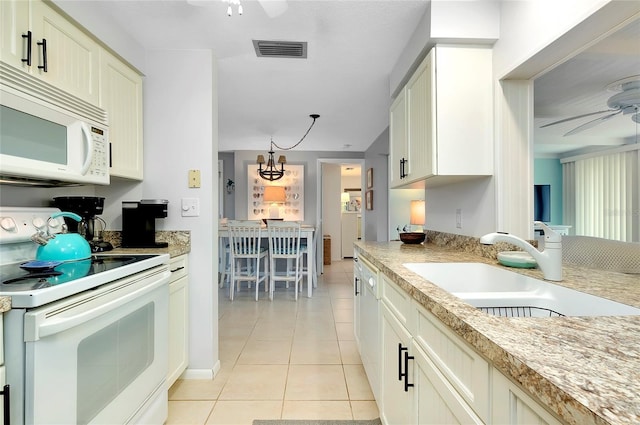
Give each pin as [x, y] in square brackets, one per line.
[310, 263]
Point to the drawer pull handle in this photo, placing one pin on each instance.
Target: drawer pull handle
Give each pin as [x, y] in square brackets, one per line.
[43, 43]
[178, 269]
[407, 357]
[28, 59]
[6, 400]
[400, 350]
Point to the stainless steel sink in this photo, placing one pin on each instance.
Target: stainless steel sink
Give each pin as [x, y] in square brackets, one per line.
[505, 293]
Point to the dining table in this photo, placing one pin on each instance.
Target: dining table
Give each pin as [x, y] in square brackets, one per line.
[306, 233]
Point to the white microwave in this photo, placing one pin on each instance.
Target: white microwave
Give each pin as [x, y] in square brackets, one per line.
[49, 137]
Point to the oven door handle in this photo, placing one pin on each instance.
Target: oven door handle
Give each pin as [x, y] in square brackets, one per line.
[43, 324]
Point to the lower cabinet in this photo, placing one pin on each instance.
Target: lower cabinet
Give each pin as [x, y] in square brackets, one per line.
[432, 376]
[397, 391]
[437, 401]
[178, 318]
[512, 406]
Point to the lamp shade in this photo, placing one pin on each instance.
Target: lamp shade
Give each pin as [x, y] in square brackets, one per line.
[417, 213]
[274, 194]
[344, 197]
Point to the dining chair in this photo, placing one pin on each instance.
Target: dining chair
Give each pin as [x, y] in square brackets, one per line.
[284, 244]
[224, 257]
[305, 258]
[245, 244]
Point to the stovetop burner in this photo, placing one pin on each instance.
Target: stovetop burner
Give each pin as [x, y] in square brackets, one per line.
[16, 279]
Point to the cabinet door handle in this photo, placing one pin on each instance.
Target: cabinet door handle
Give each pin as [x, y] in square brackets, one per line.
[355, 285]
[6, 400]
[407, 357]
[400, 350]
[43, 43]
[403, 172]
[28, 59]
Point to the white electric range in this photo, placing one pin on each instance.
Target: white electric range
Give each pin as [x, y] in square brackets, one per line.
[85, 341]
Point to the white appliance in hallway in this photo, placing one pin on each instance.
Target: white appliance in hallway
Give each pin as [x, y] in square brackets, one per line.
[350, 225]
[86, 340]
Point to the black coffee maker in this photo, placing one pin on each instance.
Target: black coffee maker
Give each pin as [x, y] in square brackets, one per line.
[139, 223]
[91, 226]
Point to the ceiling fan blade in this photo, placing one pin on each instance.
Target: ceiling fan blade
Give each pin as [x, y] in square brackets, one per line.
[577, 117]
[274, 8]
[592, 123]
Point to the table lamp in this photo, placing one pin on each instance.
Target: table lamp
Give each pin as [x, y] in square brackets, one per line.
[345, 199]
[274, 195]
[417, 218]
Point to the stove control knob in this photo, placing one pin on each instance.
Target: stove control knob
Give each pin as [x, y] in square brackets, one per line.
[54, 222]
[39, 223]
[8, 224]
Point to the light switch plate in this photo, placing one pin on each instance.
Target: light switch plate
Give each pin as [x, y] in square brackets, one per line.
[194, 178]
[190, 207]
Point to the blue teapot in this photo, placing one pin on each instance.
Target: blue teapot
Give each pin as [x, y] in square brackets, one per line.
[62, 246]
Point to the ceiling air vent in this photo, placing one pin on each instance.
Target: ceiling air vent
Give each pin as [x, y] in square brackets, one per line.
[280, 49]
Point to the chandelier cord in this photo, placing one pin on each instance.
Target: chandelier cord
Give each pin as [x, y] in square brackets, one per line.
[305, 135]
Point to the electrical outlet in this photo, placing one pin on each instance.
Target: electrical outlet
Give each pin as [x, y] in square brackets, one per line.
[459, 218]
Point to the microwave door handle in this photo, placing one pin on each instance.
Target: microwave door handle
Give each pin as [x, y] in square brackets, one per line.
[88, 144]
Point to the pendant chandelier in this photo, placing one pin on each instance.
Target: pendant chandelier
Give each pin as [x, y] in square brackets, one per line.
[270, 171]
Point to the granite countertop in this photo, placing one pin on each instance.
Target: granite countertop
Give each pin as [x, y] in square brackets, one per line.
[585, 369]
[179, 243]
[5, 304]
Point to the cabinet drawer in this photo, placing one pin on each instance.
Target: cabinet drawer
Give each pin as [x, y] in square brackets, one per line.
[465, 369]
[397, 300]
[179, 267]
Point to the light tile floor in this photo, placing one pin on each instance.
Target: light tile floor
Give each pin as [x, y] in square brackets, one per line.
[283, 359]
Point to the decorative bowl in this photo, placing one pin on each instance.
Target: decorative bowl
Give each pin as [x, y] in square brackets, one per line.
[412, 237]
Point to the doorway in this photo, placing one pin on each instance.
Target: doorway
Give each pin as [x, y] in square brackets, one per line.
[330, 208]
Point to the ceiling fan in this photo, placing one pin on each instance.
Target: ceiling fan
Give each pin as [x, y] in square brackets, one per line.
[272, 8]
[626, 102]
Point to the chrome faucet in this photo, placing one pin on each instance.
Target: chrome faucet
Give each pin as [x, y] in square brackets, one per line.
[549, 259]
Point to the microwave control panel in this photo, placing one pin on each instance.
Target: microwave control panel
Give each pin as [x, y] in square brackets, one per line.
[100, 163]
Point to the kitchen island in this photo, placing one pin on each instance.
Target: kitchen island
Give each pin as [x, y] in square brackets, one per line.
[586, 370]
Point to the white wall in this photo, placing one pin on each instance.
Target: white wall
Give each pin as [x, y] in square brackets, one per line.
[181, 128]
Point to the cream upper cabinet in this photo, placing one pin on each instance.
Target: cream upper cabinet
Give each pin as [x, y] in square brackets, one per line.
[419, 123]
[41, 41]
[121, 97]
[399, 152]
[14, 34]
[449, 118]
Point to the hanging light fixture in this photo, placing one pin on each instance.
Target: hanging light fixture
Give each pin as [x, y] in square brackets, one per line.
[270, 171]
